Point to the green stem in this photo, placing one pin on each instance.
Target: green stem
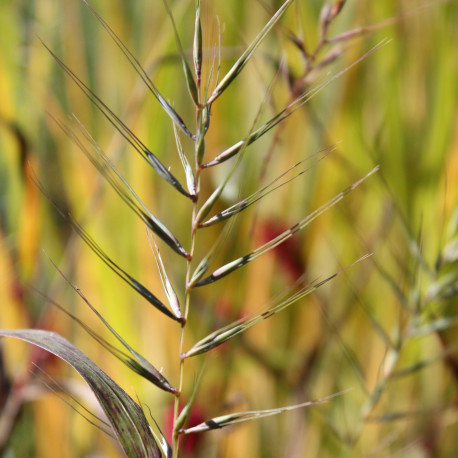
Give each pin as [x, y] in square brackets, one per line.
[182, 332]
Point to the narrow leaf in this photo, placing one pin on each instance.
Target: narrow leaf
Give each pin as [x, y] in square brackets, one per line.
[131, 138]
[125, 415]
[161, 440]
[245, 57]
[203, 123]
[56, 388]
[420, 365]
[239, 417]
[187, 408]
[100, 340]
[204, 264]
[142, 73]
[242, 261]
[222, 335]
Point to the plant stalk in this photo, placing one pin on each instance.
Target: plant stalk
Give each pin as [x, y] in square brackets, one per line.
[175, 440]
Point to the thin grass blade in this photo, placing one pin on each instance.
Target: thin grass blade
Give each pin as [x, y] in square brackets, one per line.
[245, 57]
[124, 414]
[242, 261]
[128, 135]
[162, 442]
[187, 408]
[176, 118]
[56, 388]
[239, 417]
[100, 340]
[420, 365]
[205, 263]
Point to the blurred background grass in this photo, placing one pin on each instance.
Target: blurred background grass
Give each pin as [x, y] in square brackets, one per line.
[386, 328]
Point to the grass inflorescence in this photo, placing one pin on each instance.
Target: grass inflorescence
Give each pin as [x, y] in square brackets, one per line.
[280, 262]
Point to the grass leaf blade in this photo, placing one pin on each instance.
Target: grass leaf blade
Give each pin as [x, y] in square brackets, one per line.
[126, 417]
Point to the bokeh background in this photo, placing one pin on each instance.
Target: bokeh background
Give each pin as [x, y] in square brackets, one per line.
[385, 329]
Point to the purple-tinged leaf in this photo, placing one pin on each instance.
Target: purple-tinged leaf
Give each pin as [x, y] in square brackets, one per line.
[124, 414]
